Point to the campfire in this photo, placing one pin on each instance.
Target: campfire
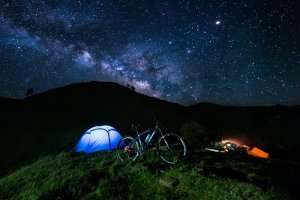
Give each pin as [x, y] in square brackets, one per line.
[235, 146]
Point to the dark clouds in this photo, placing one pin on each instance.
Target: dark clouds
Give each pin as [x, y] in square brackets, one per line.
[227, 52]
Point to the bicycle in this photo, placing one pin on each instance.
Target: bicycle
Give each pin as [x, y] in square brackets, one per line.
[169, 147]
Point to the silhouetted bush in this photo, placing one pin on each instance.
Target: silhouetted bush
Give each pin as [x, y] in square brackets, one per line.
[194, 134]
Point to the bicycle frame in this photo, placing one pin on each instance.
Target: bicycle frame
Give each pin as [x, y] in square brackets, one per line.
[138, 145]
[142, 146]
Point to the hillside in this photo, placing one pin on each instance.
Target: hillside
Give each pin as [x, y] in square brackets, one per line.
[51, 122]
[98, 176]
[54, 120]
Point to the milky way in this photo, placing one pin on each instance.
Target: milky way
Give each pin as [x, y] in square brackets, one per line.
[226, 52]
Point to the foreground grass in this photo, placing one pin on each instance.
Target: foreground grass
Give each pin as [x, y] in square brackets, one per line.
[100, 176]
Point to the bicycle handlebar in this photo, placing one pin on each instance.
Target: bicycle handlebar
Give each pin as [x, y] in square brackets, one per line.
[135, 127]
[156, 124]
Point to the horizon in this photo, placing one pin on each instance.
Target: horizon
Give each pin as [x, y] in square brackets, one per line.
[126, 87]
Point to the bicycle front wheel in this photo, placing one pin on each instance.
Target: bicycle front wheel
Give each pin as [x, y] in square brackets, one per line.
[171, 148]
[127, 149]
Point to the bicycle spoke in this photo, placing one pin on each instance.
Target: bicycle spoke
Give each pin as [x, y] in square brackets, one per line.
[128, 149]
[171, 148]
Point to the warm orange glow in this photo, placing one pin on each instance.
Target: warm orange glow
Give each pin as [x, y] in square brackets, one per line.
[254, 151]
[234, 141]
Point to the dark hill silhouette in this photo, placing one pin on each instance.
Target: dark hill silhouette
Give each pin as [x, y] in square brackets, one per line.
[7, 104]
[96, 102]
[53, 120]
[91, 94]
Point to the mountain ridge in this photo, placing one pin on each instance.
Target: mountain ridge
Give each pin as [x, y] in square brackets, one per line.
[96, 85]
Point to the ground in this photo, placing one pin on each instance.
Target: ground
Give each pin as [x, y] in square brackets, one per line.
[37, 130]
[100, 175]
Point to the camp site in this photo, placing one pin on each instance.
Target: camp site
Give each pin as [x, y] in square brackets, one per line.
[149, 99]
[71, 151]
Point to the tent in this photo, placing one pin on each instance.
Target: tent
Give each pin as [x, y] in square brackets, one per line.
[99, 138]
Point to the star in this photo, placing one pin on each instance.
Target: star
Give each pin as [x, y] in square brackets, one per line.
[84, 58]
[188, 51]
[183, 58]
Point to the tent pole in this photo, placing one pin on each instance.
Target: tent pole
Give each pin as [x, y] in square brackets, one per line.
[109, 140]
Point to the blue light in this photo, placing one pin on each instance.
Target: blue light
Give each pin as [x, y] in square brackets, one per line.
[99, 138]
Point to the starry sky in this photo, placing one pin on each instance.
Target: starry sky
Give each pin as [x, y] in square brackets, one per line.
[235, 52]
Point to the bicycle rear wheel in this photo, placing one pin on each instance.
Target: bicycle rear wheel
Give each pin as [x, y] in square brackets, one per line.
[171, 148]
[127, 149]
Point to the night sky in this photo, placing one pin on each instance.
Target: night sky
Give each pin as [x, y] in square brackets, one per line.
[226, 52]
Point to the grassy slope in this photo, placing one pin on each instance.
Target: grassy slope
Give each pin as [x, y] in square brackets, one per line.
[49, 122]
[55, 120]
[99, 176]
[52, 121]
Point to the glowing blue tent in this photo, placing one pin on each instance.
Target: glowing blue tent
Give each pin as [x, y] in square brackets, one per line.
[99, 138]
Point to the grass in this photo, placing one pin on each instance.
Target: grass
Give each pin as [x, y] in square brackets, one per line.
[54, 121]
[101, 176]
